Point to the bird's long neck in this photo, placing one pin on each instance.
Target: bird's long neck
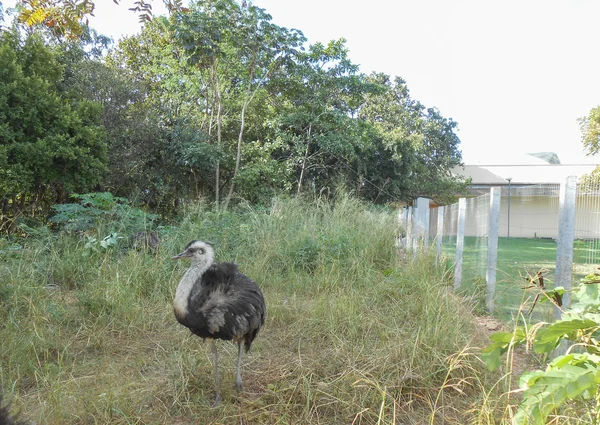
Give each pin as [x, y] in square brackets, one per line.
[186, 284]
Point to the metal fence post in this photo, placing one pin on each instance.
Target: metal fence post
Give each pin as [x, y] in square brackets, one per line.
[421, 230]
[427, 224]
[566, 237]
[460, 242]
[439, 234]
[409, 228]
[492, 262]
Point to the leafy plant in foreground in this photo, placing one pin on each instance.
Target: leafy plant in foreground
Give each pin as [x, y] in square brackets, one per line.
[572, 376]
[94, 245]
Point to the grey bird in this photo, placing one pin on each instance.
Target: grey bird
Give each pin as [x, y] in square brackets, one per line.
[216, 301]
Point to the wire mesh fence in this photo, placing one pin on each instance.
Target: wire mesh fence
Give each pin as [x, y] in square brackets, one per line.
[450, 230]
[586, 258]
[528, 229]
[528, 232]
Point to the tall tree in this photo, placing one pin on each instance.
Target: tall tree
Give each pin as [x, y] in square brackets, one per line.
[322, 89]
[590, 136]
[413, 149]
[204, 32]
[239, 51]
[262, 49]
[154, 121]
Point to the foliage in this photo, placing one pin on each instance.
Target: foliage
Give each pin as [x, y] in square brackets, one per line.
[589, 182]
[590, 132]
[214, 101]
[94, 245]
[317, 132]
[590, 129]
[51, 143]
[67, 18]
[412, 150]
[95, 209]
[157, 153]
[573, 376]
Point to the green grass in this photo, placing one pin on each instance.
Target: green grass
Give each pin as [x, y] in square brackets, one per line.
[353, 333]
[517, 258]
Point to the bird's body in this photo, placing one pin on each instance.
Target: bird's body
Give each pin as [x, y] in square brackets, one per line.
[216, 301]
[223, 304]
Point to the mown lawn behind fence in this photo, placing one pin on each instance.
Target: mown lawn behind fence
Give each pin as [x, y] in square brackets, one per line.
[518, 259]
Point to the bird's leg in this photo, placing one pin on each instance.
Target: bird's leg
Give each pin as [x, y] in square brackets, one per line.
[215, 359]
[239, 386]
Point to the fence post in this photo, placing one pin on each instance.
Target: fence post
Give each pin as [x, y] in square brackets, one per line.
[421, 227]
[409, 228]
[404, 224]
[427, 224]
[566, 236]
[492, 262]
[439, 234]
[460, 242]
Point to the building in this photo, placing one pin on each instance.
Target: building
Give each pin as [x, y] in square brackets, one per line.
[530, 196]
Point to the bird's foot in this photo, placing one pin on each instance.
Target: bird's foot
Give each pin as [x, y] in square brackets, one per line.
[239, 386]
[218, 401]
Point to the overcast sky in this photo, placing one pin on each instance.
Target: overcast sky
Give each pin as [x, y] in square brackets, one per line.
[515, 75]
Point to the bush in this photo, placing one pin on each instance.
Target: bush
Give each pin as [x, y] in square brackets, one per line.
[95, 209]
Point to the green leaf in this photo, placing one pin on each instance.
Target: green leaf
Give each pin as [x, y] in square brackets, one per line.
[554, 295]
[492, 355]
[502, 341]
[566, 378]
[506, 337]
[548, 339]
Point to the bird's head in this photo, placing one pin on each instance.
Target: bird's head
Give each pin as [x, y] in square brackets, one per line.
[198, 252]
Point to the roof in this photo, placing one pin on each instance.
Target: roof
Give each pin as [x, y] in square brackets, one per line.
[523, 174]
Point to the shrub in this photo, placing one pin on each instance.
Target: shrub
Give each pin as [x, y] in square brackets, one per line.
[95, 209]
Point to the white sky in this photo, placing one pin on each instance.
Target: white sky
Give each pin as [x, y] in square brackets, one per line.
[514, 74]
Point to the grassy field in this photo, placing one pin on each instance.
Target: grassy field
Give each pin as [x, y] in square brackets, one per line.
[518, 258]
[355, 334]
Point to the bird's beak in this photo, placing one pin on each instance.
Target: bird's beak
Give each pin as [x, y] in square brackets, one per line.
[184, 254]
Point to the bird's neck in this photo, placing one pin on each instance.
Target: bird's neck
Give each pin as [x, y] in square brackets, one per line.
[186, 284]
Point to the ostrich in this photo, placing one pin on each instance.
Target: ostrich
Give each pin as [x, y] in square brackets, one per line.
[216, 301]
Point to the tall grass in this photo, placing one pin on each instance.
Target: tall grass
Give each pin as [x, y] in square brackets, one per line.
[353, 334]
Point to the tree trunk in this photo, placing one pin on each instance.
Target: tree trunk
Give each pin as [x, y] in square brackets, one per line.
[247, 100]
[219, 119]
[304, 160]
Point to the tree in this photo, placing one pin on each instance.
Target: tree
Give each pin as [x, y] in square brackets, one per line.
[67, 18]
[154, 121]
[51, 142]
[204, 33]
[317, 129]
[237, 51]
[412, 150]
[590, 129]
[262, 49]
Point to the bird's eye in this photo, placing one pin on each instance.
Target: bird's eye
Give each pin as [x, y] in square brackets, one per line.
[201, 251]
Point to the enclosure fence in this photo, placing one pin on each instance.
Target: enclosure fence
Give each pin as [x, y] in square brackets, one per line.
[496, 244]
